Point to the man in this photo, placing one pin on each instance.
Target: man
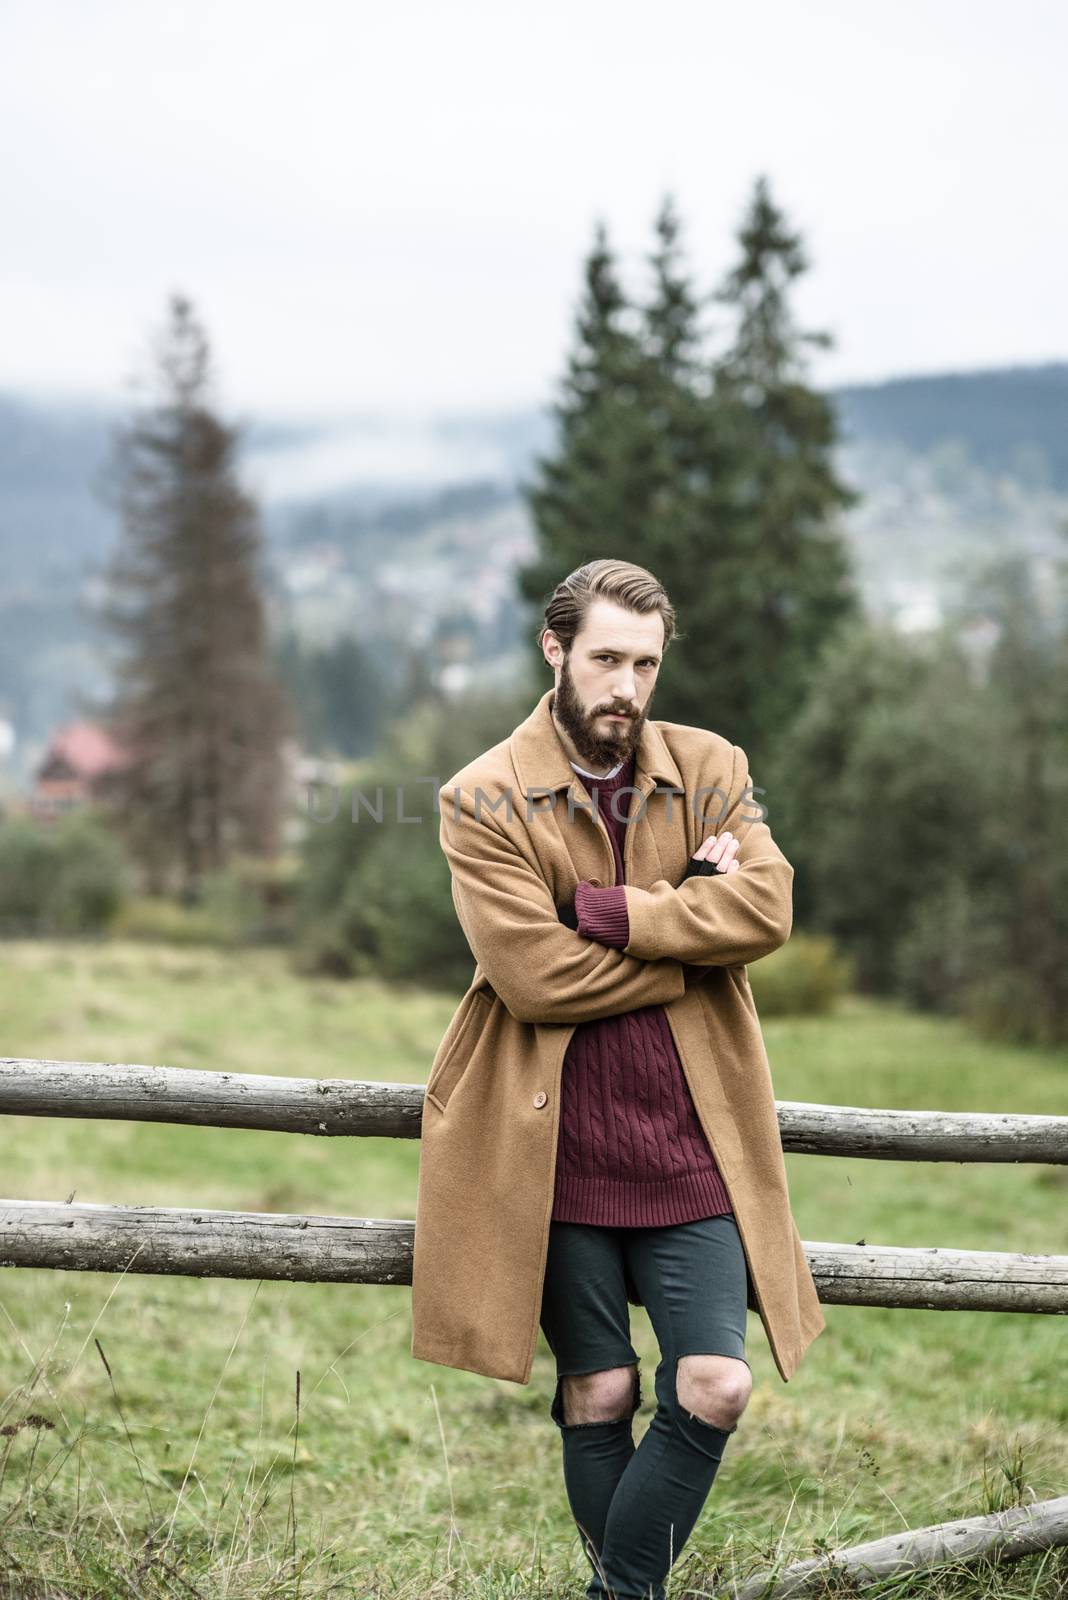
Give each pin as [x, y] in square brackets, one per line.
[600, 1125]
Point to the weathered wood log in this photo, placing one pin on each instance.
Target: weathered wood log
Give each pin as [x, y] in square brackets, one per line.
[323, 1106]
[881, 1135]
[1003, 1536]
[242, 1244]
[350, 1107]
[180, 1242]
[934, 1278]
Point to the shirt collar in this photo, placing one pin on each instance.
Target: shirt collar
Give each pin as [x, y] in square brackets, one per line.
[599, 777]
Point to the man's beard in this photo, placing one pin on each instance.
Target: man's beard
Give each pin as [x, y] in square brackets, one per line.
[600, 749]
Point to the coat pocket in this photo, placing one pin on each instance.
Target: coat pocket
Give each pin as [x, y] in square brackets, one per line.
[454, 1051]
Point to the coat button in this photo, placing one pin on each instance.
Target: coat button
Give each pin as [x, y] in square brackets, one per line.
[540, 1098]
[595, 883]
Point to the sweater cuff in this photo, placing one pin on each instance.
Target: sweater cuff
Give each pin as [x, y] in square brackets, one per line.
[602, 914]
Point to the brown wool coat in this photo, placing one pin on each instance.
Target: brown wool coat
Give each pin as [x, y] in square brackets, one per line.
[491, 1115]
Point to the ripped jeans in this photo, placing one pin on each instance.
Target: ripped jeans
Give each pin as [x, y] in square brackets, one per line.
[635, 1508]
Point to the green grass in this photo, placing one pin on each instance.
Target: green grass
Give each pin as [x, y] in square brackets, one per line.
[406, 1479]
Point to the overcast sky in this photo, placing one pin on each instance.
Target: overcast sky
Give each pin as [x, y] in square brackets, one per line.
[385, 207]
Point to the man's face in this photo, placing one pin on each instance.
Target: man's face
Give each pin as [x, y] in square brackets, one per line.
[612, 667]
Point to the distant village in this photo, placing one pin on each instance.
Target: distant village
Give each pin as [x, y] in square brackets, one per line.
[83, 759]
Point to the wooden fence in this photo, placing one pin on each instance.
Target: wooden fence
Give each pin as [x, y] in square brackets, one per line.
[193, 1241]
[203, 1243]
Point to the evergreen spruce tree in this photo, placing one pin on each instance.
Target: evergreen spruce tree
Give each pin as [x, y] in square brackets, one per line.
[335, 691]
[682, 536]
[196, 701]
[715, 475]
[592, 496]
[783, 562]
[672, 331]
[1023, 842]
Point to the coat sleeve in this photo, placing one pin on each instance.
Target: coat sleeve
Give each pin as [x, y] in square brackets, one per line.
[542, 970]
[728, 919]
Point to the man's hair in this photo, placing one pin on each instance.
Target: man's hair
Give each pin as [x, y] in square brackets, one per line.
[622, 582]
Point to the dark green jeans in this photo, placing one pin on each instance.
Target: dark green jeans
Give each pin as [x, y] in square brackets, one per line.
[635, 1508]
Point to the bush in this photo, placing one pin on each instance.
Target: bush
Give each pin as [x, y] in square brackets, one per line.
[805, 977]
[935, 959]
[65, 877]
[391, 914]
[375, 898]
[1011, 1005]
[158, 919]
[249, 901]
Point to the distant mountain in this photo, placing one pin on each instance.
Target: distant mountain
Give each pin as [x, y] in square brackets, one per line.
[413, 529]
[1008, 419]
[954, 469]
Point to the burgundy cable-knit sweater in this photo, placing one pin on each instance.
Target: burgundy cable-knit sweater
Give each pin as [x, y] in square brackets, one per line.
[631, 1151]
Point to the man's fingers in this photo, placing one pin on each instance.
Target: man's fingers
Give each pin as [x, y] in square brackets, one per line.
[724, 859]
[719, 848]
[720, 851]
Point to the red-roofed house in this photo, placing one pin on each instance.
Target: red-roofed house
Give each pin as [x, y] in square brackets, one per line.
[80, 759]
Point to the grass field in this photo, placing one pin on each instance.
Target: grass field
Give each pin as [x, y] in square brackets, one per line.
[406, 1479]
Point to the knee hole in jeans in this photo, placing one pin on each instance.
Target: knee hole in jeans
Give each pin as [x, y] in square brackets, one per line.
[715, 1391]
[588, 1398]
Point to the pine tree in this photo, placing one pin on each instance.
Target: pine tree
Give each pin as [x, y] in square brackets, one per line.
[592, 496]
[721, 487]
[672, 331]
[196, 702]
[680, 534]
[783, 562]
[1023, 842]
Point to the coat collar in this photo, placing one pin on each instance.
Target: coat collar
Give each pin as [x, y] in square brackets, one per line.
[543, 767]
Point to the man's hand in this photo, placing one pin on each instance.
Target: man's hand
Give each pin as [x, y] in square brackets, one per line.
[714, 854]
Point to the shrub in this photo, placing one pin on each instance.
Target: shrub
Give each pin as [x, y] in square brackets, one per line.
[805, 977]
[66, 877]
[375, 897]
[161, 920]
[249, 901]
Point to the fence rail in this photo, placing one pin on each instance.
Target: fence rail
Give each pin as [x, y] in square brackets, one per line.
[254, 1244]
[345, 1108]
